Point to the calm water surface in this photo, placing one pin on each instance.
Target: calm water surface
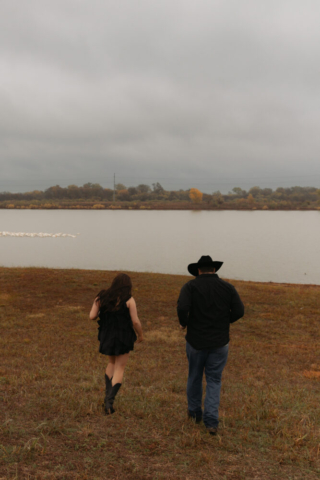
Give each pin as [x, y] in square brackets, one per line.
[258, 246]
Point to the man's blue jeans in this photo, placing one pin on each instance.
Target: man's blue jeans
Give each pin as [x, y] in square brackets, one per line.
[212, 362]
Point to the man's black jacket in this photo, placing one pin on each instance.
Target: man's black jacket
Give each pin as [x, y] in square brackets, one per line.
[206, 306]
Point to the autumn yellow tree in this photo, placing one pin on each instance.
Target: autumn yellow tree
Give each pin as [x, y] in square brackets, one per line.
[195, 195]
[250, 200]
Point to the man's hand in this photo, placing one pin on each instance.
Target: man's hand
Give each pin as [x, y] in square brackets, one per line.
[140, 339]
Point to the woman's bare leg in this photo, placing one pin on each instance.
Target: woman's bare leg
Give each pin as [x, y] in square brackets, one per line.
[119, 366]
[110, 366]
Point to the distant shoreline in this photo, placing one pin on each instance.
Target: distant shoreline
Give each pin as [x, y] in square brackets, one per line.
[94, 197]
[142, 206]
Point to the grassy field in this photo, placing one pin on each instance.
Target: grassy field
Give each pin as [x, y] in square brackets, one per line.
[52, 385]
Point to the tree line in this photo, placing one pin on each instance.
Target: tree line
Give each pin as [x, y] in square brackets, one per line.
[93, 195]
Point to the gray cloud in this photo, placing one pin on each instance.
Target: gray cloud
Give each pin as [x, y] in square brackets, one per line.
[214, 93]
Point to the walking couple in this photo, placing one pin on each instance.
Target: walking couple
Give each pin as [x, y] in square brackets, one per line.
[207, 305]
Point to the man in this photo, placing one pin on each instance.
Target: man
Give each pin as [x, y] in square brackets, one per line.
[206, 306]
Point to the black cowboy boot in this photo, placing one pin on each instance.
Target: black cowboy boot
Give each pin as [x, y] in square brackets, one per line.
[108, 387]
[109, 401]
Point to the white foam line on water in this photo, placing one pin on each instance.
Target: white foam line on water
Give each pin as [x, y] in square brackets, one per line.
[40, 234]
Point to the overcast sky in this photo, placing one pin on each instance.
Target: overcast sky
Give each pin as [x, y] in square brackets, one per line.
[210, 94]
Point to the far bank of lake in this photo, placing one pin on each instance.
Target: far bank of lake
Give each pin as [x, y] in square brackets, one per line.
[263, 246]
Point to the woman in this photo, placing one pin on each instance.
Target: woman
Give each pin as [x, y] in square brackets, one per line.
[118, 326]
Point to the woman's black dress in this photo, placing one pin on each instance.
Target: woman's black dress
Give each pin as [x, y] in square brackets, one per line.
[116, 333]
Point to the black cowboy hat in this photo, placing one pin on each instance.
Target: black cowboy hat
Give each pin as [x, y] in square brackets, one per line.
[205, 261]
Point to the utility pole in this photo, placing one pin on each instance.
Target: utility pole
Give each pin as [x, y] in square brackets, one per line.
[114, 187]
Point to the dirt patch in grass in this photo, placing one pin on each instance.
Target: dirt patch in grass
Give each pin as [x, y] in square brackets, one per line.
[52, 380]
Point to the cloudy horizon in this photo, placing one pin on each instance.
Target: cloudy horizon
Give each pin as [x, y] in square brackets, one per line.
[210, 94]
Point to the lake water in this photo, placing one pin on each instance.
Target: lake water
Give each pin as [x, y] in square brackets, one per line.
[254, 245]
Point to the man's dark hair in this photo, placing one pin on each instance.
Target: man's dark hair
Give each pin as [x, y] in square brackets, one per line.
[206, 269]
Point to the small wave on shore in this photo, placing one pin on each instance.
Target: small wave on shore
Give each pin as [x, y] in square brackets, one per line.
[40, 234]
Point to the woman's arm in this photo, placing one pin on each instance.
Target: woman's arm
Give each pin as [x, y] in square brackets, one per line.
[94, 312]
[131, 304]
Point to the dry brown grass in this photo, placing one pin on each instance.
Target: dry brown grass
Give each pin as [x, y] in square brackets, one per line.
[51, 378]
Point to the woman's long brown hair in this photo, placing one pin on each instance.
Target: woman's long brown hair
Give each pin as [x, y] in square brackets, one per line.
[119, 292]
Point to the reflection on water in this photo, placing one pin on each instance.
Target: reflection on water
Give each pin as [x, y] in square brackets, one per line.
[256, 245]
